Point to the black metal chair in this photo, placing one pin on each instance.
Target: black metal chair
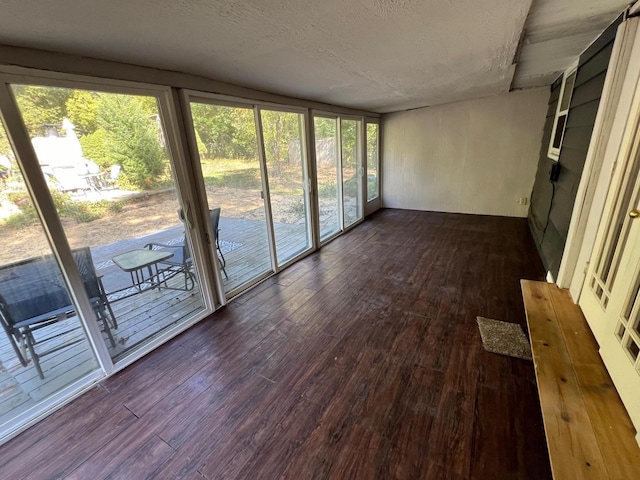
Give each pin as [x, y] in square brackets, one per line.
[215, 222]
[33, 297]
[180, 262]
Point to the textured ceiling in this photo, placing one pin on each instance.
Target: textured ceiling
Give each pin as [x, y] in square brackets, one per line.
[379, 55]
[557, 32]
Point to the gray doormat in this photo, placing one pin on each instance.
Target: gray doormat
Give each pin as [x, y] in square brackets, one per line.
[504, 338]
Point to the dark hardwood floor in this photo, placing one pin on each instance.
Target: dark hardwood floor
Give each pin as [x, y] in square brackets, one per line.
[362, 361]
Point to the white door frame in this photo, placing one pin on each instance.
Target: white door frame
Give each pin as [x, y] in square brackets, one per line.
[599, 164]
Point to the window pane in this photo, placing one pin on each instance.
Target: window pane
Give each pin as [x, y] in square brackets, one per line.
[351, 162]
[283, 136]
[568, 90]
[372, 161]
[228, 150]
[557, 138]
[40, 328]
[108, 169]
[327, 168]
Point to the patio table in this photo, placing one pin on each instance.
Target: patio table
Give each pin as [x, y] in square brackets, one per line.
[137, 261]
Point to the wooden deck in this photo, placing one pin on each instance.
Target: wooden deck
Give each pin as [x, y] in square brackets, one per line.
[141, 316]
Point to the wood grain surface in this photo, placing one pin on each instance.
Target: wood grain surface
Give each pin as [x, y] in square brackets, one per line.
[362, 361]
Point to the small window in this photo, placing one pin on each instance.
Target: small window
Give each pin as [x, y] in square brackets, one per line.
[562, 112]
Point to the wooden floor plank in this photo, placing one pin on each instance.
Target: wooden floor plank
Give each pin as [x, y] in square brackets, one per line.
[363, 360]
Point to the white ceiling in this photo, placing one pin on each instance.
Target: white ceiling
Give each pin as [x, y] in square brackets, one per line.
[557, 32]
[379, 55]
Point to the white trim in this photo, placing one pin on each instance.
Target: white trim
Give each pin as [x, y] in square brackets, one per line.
[185, 173]
[51, 224]
[266, 193]
[593, 187]
[593, 163]
[554, 152]
[201, 192]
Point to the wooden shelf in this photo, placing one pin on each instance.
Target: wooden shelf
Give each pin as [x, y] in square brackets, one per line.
[589, 433]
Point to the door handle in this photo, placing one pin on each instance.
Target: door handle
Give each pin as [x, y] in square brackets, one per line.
[189, 216]
[634, 213]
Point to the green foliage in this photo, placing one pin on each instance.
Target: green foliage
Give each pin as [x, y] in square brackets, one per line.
[349, 131]
[94, 147]
[324, 127]
[82, 212]
[27, 215]
[280, 131]
[132, 139]
[328, 190]
[5, 147]
[41, 105]
[372, 160]
[82, 109]
[225, 132]
[202, 148]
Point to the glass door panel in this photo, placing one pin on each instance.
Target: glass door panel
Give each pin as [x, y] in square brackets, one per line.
[284, 150]
[328, 175]
[373, 189]
[109, 172]
[351, 157]
[228, 149]
[43, 347]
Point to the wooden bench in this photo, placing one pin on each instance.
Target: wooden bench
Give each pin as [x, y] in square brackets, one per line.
[589, 433]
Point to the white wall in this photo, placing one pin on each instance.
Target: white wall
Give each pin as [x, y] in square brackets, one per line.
[478, 156]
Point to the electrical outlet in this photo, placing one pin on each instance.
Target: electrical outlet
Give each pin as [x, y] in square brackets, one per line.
[523, 201]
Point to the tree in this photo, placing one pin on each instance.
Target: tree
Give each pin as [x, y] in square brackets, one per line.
[82, 109]
[227, 132]
[94, 147]
[41, 105]
[132, 139]
[279, 130]
[5, 147]
[324, 127]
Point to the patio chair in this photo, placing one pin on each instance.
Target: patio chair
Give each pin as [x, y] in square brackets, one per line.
[180, 262]
[215, 222]
[33, 299]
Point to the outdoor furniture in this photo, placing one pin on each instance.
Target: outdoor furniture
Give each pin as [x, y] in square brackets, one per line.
[215, 221]
[137, 262]
[34, 298]
[114, 174]
[181, 261]
[94, 181]
[178, 261]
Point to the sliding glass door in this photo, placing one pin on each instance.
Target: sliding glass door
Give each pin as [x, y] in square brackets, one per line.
[338, 168]
[284, 145]
[229, 161]
[351, 157]
[43, 346]
[328, 185]
[108, 168]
